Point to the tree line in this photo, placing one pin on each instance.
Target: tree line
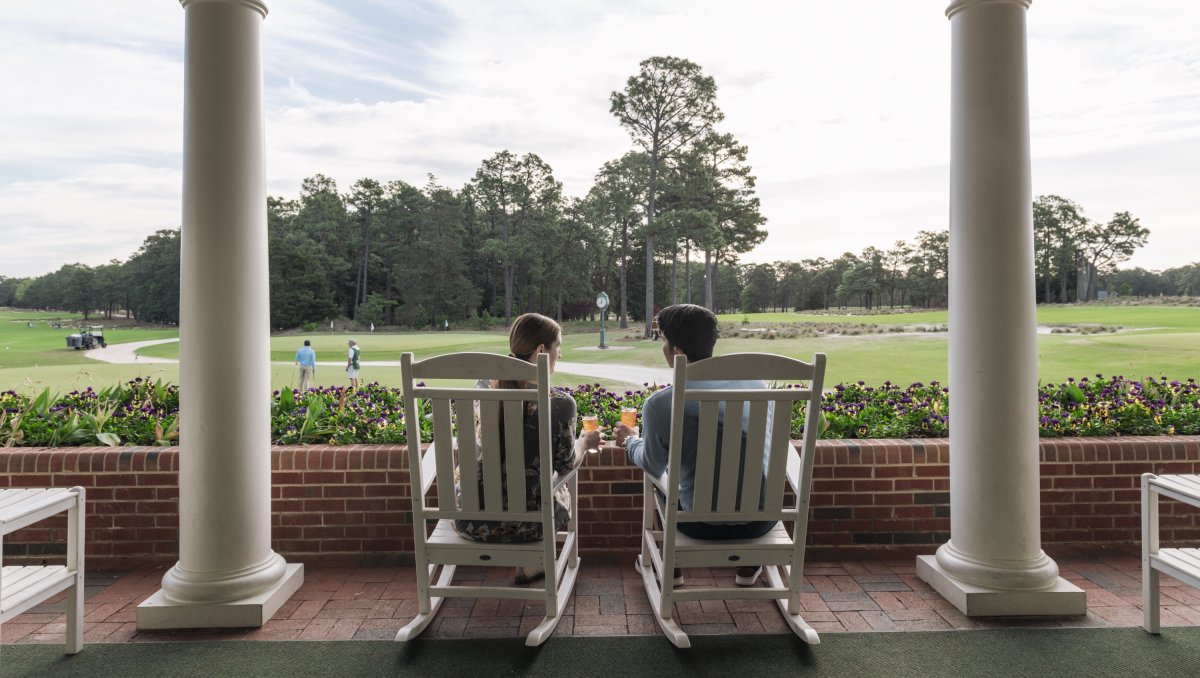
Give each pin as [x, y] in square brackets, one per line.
[1075, 258]
[394, 254]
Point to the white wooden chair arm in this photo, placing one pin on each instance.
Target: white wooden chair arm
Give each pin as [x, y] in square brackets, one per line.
[660, 483]
[561, 479]
[660, 494]
[428, 470]
[794, 468]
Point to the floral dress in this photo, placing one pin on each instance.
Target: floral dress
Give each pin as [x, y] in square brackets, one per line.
[562, 450]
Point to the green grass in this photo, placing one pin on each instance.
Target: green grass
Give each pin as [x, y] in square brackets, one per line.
[33, 358]
[375, 346]
[1158, 340]
[1182, 318]
[833, 316]
[24, 346]
[1156, 318]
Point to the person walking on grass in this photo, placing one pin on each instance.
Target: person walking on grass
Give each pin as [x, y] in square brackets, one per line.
[352, 364]
[306, 359]
[691, 331]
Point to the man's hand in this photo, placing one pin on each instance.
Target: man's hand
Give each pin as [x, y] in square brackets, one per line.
[590, 440]
[621, 432]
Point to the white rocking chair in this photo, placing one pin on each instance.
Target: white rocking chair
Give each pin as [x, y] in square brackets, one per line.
[781, 554]
[439, 552]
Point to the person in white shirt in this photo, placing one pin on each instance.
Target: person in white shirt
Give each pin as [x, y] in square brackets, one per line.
[352, 364]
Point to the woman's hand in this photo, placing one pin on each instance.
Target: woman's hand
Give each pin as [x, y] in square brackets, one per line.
[588, 441]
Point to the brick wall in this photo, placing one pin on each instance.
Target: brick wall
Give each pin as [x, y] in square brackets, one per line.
[352, 501]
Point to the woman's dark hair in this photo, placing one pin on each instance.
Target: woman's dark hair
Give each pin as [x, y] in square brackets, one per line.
[528, 332]
[689, 328]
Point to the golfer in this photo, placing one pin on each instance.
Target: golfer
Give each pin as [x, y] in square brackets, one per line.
[306, 359]
[352, 364]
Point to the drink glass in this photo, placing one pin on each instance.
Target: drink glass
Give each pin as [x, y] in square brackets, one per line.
[629, 417]
[591, 423]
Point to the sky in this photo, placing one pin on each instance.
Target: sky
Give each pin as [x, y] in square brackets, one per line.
[843, 105]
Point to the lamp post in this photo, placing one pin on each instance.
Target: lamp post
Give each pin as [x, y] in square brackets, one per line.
[602, 303]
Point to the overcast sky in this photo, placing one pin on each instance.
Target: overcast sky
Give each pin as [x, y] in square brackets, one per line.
[844, 106]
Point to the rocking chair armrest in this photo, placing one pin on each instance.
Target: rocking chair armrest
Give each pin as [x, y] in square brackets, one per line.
[428, 469]
[794, 468]
[659, 494]
[561, 479]
[659, 482]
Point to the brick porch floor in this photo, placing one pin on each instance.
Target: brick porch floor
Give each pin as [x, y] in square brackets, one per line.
[370, 603]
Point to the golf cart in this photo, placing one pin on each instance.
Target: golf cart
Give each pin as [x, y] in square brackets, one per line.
[87, 338]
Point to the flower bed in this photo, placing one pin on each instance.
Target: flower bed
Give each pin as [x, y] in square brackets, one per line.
[141, 412]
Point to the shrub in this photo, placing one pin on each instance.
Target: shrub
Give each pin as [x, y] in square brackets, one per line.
[485, 321]
[141, 412]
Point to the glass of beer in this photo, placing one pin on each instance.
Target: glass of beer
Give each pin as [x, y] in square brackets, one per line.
[591, 423]
[629, 417]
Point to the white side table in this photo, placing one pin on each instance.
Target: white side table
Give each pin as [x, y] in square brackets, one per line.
[1181, 563]
[22, 587]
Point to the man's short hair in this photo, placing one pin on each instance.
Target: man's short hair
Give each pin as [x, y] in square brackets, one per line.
[307, 342]
[689, 328]
[352, 342]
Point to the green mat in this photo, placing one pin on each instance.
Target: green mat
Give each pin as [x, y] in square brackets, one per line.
[1001, 652]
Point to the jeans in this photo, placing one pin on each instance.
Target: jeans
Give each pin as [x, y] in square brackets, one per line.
[719, 531]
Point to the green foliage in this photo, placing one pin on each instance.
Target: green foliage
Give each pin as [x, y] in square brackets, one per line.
[421, 317]
[8, 290]
[300, 289]
[133, 412]
[889, 411]
[141, 412]
[667, 106]
[518, 204]
[594, 399]
[485, 321]
[374, 309]
[154, 272]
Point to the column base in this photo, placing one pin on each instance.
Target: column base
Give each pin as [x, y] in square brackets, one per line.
[1060, 599]
[159, 612]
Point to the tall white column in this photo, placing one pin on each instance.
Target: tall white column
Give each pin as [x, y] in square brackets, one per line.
[227, 574]
[993, 563]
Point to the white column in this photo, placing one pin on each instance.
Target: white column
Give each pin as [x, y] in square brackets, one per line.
[993, 563]
[227, 574]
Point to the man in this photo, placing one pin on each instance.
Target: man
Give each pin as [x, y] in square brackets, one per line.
[306, 358]
[688, 330]
[352, 365]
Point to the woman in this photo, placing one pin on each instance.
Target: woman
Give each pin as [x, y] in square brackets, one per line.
[533, 334]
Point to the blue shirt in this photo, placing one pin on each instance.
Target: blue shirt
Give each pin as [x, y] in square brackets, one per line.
[650, 451]
[306, 357]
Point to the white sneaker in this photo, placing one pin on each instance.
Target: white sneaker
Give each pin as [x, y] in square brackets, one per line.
[747, 576]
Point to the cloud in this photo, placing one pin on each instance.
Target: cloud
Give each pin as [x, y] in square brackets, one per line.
[844, 106]
[84, 218]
